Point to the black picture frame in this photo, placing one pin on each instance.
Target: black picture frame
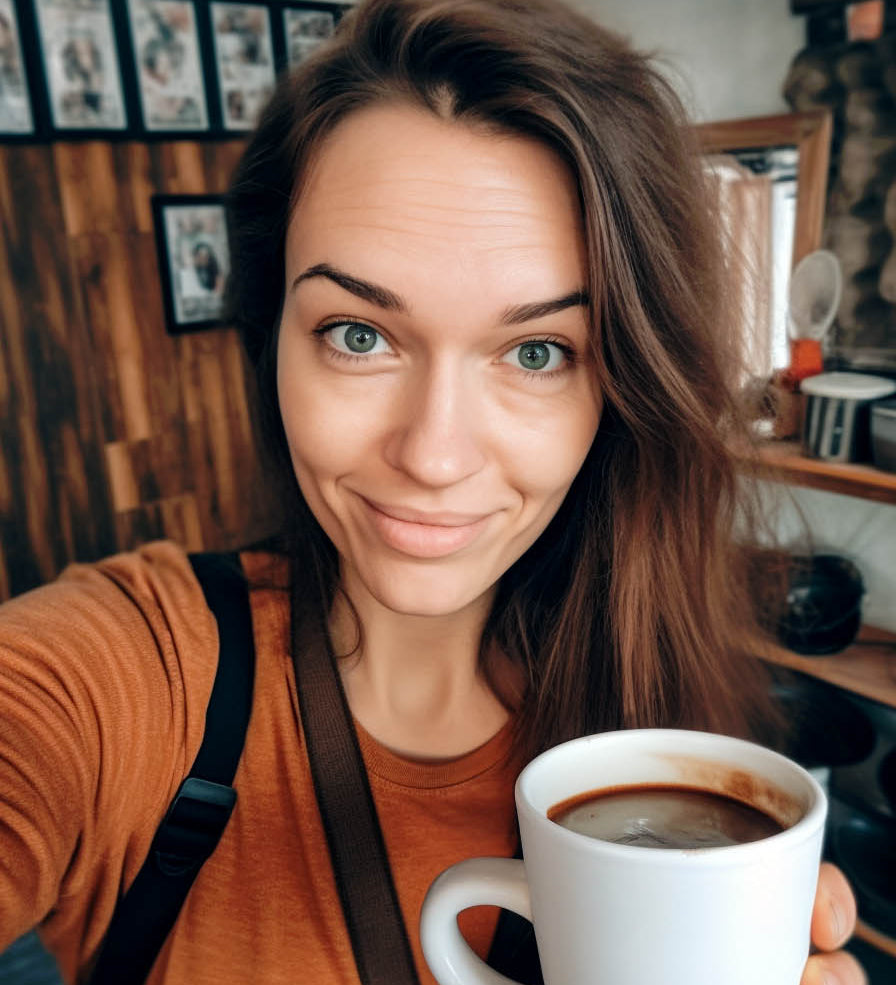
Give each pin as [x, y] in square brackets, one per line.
[81, 68]
[19, 116]
[194, 259]
[301, 26]
[245, 66]
[167, 53]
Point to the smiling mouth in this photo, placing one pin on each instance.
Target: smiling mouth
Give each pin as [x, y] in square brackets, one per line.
[424, 535]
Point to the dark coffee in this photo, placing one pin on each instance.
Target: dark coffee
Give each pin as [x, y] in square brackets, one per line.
[658, 816]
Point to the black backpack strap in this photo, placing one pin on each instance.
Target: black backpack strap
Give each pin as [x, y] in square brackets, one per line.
[202, 806]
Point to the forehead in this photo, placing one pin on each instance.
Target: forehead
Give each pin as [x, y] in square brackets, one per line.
[406, 180]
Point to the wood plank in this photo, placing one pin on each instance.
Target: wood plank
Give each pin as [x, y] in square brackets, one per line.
[139, 526]
[215, 406]
[88, 187]
[782, 461]
[219, 161]
[160, 367]
[88, 259]
[133, 181]
[200, 456]
[236, 374]
[868, 667]
[125, 496]
[160, 466]
[107, 276]
[54, 416]
[180, 519]
[188, 378]
[111, 431]
[187, 174]
[75, 501]
[36, 496]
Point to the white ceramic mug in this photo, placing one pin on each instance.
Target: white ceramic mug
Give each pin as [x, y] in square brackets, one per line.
[613, 914]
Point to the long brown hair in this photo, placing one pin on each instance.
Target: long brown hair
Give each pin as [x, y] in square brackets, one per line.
[630, 610]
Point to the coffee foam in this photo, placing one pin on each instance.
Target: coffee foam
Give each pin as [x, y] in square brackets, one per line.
[740, 784]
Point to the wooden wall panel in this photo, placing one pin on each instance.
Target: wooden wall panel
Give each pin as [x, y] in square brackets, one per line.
[112, 432]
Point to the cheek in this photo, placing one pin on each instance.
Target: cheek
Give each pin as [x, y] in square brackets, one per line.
[305, 422]
[547, 478]
[547, 460]
[327, 431]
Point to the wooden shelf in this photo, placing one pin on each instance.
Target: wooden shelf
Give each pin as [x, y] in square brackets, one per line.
[783, 461]
[868, 667]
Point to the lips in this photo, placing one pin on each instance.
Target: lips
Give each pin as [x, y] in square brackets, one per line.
[424, 534]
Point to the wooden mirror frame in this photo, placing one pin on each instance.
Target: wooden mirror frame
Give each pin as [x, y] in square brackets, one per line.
[810, 132]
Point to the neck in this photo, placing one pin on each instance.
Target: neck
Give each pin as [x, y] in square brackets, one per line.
[414, 682]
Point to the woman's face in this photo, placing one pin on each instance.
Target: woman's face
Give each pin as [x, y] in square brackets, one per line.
[433, 370]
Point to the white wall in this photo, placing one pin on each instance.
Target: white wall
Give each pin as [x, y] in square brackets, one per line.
[729, 59]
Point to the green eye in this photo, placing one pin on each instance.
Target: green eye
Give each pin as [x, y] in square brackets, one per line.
[538, 356]
[534, 355]
[354, 339]
[359, 338]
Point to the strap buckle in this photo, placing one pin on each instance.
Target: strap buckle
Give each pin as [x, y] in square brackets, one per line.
[193, 825]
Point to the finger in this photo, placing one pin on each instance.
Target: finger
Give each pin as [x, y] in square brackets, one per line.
[837, 968]
[834, 914]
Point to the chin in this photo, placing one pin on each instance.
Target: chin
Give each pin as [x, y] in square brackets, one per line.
[425, 594]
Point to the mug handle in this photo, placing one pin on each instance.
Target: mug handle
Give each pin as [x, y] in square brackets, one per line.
[473, 882]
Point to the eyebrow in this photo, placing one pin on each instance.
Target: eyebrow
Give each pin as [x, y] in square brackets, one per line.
[382, 297]
[541, 309]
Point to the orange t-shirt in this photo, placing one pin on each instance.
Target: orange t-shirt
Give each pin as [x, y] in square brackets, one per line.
[104, 680]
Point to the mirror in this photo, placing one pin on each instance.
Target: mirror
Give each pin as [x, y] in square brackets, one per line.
[771, 174]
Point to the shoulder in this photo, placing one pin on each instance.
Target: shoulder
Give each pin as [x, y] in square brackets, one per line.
[104, 680]
[124, 643]
[147, 598]
[156, 578]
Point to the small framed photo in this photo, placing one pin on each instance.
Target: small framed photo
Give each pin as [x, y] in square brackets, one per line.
[244, 61]
[194, 259]
[168, 63]
[16, 112]
[81, 65]
[305, 26]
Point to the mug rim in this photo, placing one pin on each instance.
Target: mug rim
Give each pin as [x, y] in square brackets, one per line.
[802, 829]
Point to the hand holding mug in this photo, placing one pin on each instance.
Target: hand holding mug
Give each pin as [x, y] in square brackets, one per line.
[646, 900]
[833, 923]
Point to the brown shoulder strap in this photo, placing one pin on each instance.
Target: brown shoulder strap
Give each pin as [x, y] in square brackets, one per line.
[357, 850]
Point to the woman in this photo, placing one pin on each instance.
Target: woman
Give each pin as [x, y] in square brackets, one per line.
[477, 277]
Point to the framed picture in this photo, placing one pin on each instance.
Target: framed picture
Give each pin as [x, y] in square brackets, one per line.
[244, 61]
[16, 113]
[194, 259]
[305, 26]
[81, 65]
[168, 65]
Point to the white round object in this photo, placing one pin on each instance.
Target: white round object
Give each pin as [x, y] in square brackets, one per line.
[628, 914]
[848, 386]
[814, 297]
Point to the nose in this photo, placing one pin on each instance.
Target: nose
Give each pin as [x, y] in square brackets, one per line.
[437, 434]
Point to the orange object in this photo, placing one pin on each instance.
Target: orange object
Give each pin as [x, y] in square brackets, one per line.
[107, 673]
[865, 21]
[805, 359]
